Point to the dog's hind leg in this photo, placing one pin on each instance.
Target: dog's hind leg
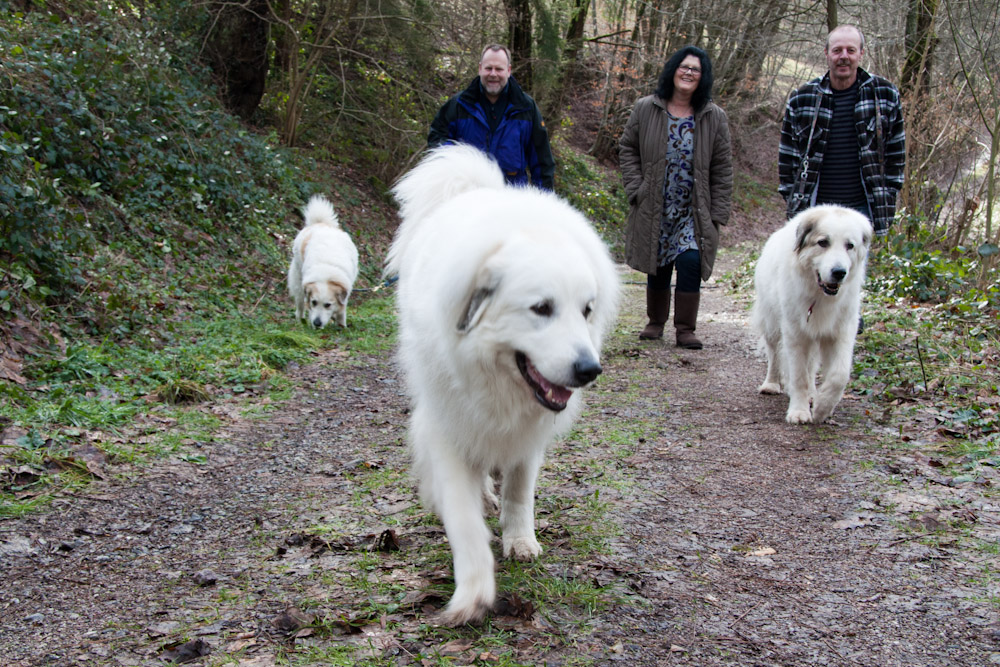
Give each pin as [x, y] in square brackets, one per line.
[772, 383]
[490, 499]
[295, 290]
[517, 509]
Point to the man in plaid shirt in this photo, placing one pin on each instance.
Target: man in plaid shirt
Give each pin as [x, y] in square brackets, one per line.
[842, 139]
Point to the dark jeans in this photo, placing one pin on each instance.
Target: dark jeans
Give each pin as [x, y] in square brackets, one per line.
[688, 265]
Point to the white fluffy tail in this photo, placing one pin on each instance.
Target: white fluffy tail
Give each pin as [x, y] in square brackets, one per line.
[319, 210]
[442, 174]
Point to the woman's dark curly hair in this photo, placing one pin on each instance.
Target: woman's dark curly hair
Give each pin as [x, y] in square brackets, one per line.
[703, 93]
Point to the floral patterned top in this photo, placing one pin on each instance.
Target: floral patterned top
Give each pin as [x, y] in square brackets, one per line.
[677, 223]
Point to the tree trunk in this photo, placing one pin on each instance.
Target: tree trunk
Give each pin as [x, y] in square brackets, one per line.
[742, 44]
[519, 40]
[920, 43]
[915, 84]
[568, 66]
[236, 47]
[283, 42]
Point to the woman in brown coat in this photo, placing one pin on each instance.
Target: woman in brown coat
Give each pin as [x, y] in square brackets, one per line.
[676, 163]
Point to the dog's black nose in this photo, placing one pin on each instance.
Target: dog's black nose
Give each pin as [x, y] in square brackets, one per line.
[586, 370]
[839, 274]
[318, 323]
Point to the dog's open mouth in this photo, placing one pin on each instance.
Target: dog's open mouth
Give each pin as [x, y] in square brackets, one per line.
[552, 396]
[828, 288]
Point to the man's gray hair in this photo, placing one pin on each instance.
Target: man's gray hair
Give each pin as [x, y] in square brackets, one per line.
[842, 27]
[498, 47]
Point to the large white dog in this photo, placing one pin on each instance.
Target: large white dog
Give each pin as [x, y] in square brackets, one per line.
[808, 282]
[324, 266]
[504, 297]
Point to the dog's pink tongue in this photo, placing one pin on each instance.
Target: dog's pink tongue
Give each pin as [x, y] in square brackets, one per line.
[553, 393]
[557, 394]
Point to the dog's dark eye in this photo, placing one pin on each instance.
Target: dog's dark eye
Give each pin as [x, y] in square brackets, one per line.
[587, 310]
[850, 246]
[328, 306]
[313, 302]
[823, 243]
[543, 309]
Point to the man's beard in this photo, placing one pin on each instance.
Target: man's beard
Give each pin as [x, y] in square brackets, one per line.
[493, 88]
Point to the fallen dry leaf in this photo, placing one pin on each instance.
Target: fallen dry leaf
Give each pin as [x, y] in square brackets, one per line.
[386, 541]
[186, 652]
[854, 521]
[511, 604]
[292, 619]
[456, 647]
[763, 551]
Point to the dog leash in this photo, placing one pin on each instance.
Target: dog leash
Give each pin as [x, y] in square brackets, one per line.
[801, 185]
[388, 282]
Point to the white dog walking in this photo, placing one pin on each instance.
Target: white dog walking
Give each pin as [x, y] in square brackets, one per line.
[504, 297]
[808, 296]
[324, 266]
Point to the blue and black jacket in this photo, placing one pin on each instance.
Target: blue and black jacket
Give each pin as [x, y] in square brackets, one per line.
[520, 143]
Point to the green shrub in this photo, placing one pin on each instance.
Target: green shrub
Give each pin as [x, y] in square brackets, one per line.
[917, 269]
[107, 136]
[596, 192]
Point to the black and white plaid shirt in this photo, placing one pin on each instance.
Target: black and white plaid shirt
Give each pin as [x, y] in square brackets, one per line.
[882, 154]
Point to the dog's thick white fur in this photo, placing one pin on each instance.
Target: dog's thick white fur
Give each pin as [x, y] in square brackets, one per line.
[324, 266]
[504, 297]
[808, 297]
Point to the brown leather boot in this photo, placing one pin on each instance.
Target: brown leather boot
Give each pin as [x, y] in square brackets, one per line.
[685, 319]
[657, 308]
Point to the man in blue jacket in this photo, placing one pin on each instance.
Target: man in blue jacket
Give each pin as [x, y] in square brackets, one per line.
[496, 116]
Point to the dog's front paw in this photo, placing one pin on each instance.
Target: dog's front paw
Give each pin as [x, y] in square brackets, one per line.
[522, 548]
[798, 416]
[470, 603]
[821, 412]
[770, 388]
[462, 616]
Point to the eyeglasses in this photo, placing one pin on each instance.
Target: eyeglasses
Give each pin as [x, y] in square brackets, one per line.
[689, 70]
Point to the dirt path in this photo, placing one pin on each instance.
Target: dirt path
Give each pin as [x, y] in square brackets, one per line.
[730, 537]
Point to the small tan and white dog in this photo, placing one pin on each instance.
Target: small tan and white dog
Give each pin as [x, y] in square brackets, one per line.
[324, 266]
[808, 282]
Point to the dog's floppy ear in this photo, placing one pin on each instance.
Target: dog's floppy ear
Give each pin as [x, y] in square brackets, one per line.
[339, 292]
[806, 225]
[486, 284]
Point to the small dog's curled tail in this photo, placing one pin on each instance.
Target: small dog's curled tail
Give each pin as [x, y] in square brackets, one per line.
[319, 210]
[443, 173]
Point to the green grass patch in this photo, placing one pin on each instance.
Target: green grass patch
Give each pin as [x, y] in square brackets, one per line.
[135, 403]
[597, 192]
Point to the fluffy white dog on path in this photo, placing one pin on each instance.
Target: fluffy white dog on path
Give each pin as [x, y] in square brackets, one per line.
[504, 297]
[324, 266]
[808, 297]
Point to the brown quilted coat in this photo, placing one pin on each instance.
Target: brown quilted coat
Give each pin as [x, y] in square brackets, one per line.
[642, 153]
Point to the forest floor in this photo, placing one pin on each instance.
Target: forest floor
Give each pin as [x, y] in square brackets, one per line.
[724, 536]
